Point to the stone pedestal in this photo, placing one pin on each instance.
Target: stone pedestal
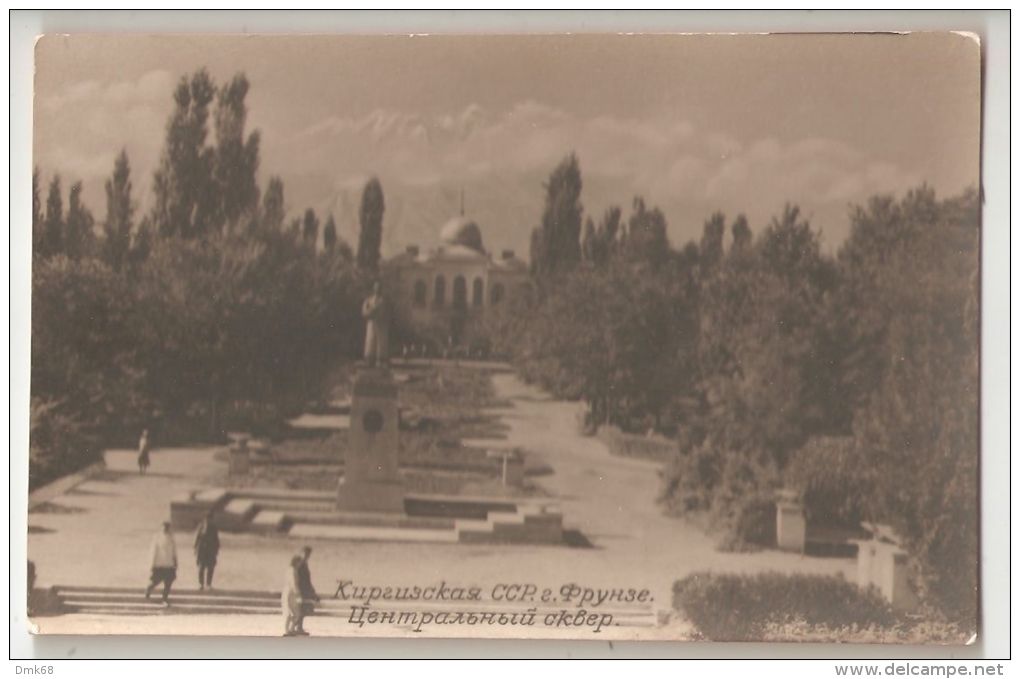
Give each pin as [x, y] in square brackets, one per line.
[791, 526]
[371, 480]
[883, 566]
[239, 460]
[511, 466]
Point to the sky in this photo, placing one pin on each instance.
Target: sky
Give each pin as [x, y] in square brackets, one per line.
[692, 123]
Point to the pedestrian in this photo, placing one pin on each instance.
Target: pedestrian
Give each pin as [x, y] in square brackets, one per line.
[308, 595]
[143, 452]
[291, 598]
[207, 548]
[164, 563]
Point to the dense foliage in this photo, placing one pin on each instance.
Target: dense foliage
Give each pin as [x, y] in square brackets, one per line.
[731, 607]
[207, 315]
[850, 378]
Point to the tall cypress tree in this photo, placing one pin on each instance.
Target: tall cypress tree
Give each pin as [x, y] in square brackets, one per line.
[183, 184]
[273, 205]
[329, 234]
[556, 244]
[119, 213]
[237, 158]
[53, 227]
[38, 222]
[78, 225]
[310, 228]
[371, 216]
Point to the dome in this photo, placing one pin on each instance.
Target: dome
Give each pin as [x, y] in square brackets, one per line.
[462, 231]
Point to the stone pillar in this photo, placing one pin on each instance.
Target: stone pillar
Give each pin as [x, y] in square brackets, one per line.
[238, 457]
[791, 527]
[371, 480]
[883, 566]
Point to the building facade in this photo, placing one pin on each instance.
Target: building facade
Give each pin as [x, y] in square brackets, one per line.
[456, 281]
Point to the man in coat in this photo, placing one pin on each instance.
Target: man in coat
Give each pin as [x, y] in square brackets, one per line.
[207, 548]
[308, 594]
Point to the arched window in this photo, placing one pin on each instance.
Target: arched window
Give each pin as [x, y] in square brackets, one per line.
[477, 292]
[496, 294]
[439, 299]
[420, 293]
[459, 293]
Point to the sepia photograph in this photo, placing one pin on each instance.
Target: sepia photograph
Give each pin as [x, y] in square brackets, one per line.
[605, 336]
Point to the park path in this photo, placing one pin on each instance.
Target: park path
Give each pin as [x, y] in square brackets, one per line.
[98, 534]
[612, 501]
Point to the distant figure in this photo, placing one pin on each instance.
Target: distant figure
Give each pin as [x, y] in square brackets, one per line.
[376, 327]
[164, 563]
[143, 452]
[308, 594]
[290, 599]
[207, 548]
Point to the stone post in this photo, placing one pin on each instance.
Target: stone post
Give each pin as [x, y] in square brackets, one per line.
[238, 456]
[791, 526]
[882, 565]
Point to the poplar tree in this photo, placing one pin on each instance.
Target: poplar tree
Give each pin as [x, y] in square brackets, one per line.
[119, 213]
[371, 215]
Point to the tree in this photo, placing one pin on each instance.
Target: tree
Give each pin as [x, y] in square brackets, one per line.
[556, 243]
[78, 233]
[273, 210]
[310, 228]
[766, 381]
[185, 193]
[119, 212]
[589, 243]
[741, 234]
[38, 221]
[329, 234]
[236, 158]
[371, 217]
[711, 247]
[600, 244]
[53, 240]
[911, 271]
[646, 240]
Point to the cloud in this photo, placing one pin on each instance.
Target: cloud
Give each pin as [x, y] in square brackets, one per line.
[500, 158]
[503, 158]
[80, 128]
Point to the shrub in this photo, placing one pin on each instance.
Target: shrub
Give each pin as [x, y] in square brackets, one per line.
[732, 607]
[751, 524]
[655, 448]
[829, 475]
[690, 479]
[58, 443]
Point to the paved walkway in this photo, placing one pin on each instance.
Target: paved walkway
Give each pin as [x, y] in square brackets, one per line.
[97, 535]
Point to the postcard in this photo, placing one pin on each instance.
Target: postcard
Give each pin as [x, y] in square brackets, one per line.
[587, 336]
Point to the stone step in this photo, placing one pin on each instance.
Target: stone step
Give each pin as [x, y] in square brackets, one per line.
[372, 533]
[236, 515]
[369, 519]
[283, 505]
[268, 521]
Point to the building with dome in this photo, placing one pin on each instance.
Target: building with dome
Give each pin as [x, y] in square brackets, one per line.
[457, 280]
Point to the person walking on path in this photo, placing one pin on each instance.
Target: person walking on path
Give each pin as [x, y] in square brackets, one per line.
[143, 452]
[164, 563]
[291, 598]
[207, 548]
[308, 594]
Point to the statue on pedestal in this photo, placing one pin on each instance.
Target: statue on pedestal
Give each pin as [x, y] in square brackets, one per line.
[376, 314]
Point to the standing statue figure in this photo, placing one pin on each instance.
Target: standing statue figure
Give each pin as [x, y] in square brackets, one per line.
[376, 327]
